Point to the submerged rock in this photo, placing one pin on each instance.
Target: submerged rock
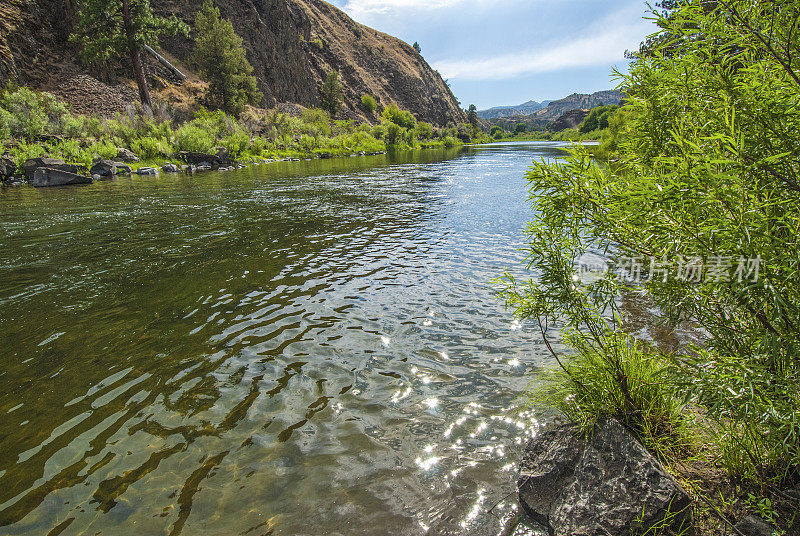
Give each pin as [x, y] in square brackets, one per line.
[56, 177]
[169, 168]
[609, 485]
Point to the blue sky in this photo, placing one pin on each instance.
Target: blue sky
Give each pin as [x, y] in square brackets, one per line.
[503, 52]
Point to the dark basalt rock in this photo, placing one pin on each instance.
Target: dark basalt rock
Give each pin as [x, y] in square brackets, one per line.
[54, 177]
[608, 485]
[32, 164]
[754, 526]
[7, 168]
[125, 155]
[109, 168]
[221, 158]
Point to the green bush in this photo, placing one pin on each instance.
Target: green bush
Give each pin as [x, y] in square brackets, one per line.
[496, 132]
[331, 93]
[191, 137]
[148, 148]
[707, 170]
[237, 143]
[424, 131]
[399, 117]
[394, 134]
[33, 114]
[5, 124]
[369, 103]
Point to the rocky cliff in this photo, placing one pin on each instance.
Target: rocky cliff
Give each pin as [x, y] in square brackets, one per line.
[292, 44]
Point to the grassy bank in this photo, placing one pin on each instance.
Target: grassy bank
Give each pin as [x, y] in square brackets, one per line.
[35, 123]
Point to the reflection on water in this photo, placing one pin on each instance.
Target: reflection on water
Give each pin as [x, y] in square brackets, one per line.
[296, 348]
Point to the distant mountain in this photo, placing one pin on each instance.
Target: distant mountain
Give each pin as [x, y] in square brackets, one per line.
[553, 110]
[525, 108]
[578, 101]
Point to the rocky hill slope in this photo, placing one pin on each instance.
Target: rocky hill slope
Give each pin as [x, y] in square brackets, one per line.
[292, 44]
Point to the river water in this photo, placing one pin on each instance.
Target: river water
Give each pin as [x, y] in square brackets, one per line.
[298, 348]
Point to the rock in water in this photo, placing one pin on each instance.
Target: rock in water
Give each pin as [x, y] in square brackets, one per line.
[169, 168]
[126, 156]
[108, 168]
[606, 486]
[55, 177]
[32, 164]
[147, 171]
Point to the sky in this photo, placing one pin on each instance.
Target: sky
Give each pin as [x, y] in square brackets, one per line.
[506, 52]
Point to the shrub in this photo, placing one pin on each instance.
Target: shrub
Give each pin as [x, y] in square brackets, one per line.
[369, 103]
[399, 117]
[236, 143]
[424, 131]
[331, 93]
[315, 116]
[190, 137]
[496, 132]
[148, 148]
[33, 114]
[394, 134]
[5, 124]
[520, 128]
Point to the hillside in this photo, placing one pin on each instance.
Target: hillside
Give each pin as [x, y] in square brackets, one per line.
[291, 44]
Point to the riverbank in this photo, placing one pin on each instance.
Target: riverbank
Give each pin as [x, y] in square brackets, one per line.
[36, 124]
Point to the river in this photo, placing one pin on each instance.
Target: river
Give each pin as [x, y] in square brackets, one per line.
[297, 348]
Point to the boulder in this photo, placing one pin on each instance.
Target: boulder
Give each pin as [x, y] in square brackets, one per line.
[754, 526]
[44, 176]
[7, 168]
[32, 164]
[221, 158]
[125, 155]
[108, 168]
[147, 171]
[169, 168]
[607, 485]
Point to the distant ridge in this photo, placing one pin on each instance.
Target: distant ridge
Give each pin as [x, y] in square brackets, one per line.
[525, 108]
[539, 119]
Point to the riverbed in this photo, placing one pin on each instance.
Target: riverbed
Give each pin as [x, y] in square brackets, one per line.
[297, 348]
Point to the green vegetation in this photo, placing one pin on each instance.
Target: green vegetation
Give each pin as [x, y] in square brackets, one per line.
[108, 29]
[332, 92]
[35, 123]
[702, 199]
[417, 47]
[220, 57]
[597, 119]
[369, 103]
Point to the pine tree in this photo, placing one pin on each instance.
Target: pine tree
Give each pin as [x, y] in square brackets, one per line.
[332, 93]
[108, 29]
[220, 57]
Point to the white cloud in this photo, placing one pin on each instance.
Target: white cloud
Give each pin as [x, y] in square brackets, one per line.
[601, 47]
[359, 9]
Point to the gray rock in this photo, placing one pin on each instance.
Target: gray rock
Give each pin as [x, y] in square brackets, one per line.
[32, 164]
[169, 168]
[126, 156]
[147, 171]
[109, 168]
[123, 168]
[7, 168]
[609, 485]
[44, 176]
[754, 526]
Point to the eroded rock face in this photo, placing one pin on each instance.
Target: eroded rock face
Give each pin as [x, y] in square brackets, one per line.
[606, 486]
[124, 155]
[7, 168]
